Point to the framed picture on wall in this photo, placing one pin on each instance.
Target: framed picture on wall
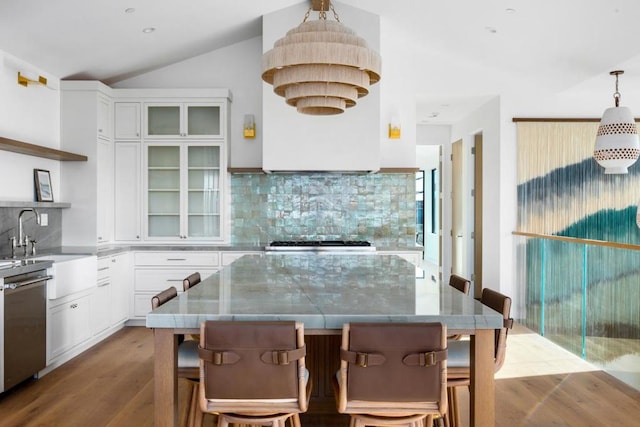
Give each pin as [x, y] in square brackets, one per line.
[44, 192]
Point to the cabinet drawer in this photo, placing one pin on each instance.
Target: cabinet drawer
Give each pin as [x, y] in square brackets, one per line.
[104, 267]
[142, 304]
[186, 258]
[154, 280]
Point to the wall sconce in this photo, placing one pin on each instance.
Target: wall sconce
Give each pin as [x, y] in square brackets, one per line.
[31, 79]
[394, 128]
[249, 126]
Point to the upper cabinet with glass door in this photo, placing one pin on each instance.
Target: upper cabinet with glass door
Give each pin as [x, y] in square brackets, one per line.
[184, 184]
[184, 120]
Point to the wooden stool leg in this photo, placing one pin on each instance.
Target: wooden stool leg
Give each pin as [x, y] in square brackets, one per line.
[197, 416]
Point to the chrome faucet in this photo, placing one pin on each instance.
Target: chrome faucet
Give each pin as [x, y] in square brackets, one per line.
[23, 240]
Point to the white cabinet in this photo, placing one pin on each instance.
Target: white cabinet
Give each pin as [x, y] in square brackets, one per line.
[85, 125]
[110, 299]
[157, 271]
[185, 120]
[104, 202]
[127, 191]
[183, 186]
[103, 122]
[69, 323]
[101, 306]
[121, 281]
[127, 120]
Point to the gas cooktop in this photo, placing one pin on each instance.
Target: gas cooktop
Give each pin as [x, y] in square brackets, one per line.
[321, 245]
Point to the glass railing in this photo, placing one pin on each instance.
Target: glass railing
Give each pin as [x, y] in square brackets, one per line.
[584, 295]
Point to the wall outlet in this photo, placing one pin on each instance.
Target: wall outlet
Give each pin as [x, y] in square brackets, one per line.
[44, 220]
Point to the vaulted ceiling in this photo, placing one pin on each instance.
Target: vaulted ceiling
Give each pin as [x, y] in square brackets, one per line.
[466, 50]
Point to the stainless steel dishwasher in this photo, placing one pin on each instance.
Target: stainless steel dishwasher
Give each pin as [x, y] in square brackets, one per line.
[24, 327]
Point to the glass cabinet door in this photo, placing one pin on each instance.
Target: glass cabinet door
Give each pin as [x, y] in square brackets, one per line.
[163, 120]
[163, 204]
[203, 120]
[203, 205]
[183, 120]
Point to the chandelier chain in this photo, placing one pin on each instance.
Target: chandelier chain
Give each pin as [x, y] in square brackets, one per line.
[306, 15]
[335, 14]
[616, 94]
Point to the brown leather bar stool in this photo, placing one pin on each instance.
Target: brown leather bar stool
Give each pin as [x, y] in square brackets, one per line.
[188, 363]
[464, 286]
[191, 280]
[253, 372]
[187, 283]
[458, 373]
[460, 283]
[392, 374]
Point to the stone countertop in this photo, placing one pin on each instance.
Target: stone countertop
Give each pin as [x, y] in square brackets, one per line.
[236, 247]
[323, 292]
[16, 267]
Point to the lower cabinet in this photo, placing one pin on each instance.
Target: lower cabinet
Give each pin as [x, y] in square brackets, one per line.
[156, 271]
[69, 323]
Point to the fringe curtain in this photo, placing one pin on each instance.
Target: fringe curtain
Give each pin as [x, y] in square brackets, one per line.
[563, 191]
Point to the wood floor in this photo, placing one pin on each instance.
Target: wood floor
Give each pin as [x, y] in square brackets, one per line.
[112, 385]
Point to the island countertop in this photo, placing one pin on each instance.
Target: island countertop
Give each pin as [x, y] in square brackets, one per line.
[324, 292]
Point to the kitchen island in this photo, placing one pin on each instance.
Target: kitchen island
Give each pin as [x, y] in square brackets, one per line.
[323, 292]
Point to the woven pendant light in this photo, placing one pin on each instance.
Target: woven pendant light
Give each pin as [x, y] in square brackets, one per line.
[617, 146]
[321, 67]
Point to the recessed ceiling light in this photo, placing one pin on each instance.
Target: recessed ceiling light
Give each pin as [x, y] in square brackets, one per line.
[491, 30]
[148, 30]
[510, 10]
[130, 10]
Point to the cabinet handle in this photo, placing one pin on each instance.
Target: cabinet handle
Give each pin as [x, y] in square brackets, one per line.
[103, 268]
[174, 280]
[176, 259]
[103, 284]
[73, 306]
[137, 237]
[100, 130]
[113, 260]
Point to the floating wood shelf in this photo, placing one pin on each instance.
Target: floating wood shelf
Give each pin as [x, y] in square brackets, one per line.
[12, 145]
[244, 170]
[42, 205]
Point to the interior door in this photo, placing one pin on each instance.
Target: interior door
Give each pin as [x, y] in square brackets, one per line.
[457, 224]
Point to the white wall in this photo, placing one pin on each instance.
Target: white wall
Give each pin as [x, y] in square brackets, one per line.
[236, 67]
[430, 139]
[497, 261]
[397, 99]
[27, 114]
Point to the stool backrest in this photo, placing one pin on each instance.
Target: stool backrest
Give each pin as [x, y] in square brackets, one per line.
[163, 297]
[393, 367]
[502, 304]
[192, 280]
[249, 363]
[460, 283]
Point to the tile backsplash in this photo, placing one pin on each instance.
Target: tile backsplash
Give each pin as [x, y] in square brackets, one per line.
[326, 206]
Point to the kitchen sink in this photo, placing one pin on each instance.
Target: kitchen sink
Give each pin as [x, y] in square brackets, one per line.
[71, 273]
